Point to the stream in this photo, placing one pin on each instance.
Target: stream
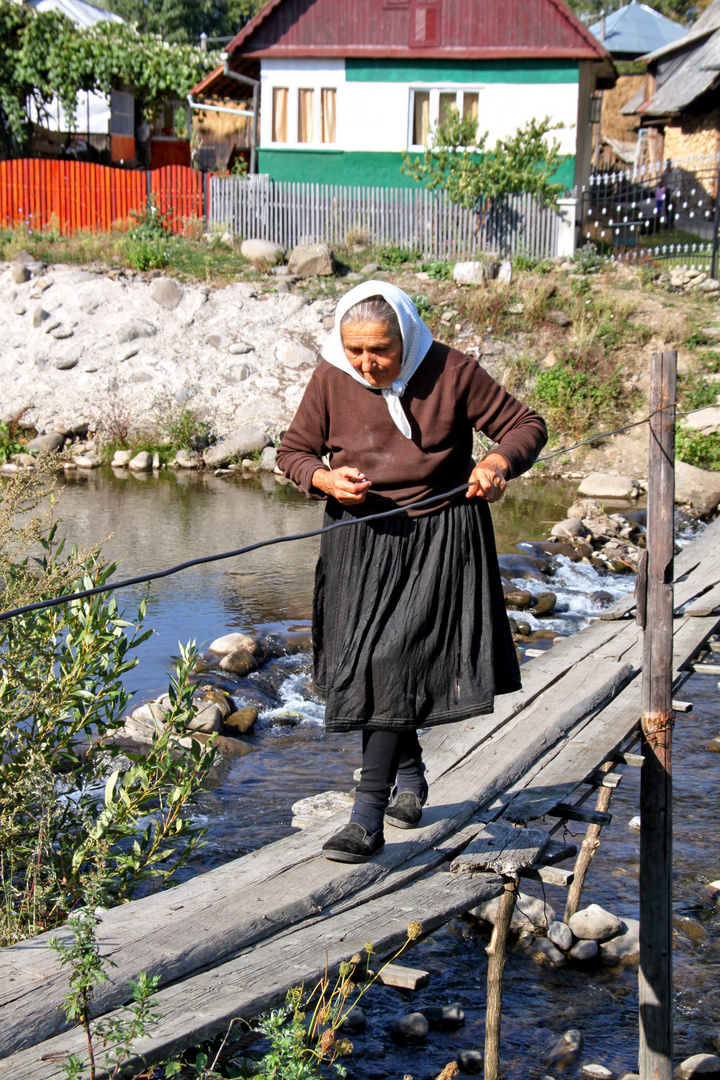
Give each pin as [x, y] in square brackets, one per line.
[156, 522]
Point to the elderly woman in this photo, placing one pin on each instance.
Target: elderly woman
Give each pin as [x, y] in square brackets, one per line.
[409, 621]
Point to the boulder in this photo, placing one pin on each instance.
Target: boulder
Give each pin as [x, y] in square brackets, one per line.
[263, 254]
[606, 486]
[355, 1022]
[444, 1017]
[291, 354]
[242, 720]
[565, 1051]
[135, 328]
[698, 487]
[166, 292]
[594, 923]
[707, 421]
[505, 273]
[596, 1072]
[543, 603]
[268, 459]
[208, 718]
[529, 914]
[470, 1061]
[19, 272]
[584, 950]
[142, 462]
[307, 260]
[188, 459]
[230, 642]
[411, 1028]
[51, 441]
[238, 662]
[559, 318]
[544, 951]
[699, 1067]
[238, 444]
[468, 273]
[561, 935]
[569, 527]
[624, 948]
[121, 458]
[327, 804]
[86, 461]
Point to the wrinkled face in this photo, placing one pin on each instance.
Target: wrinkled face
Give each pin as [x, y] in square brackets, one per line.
[373, 352]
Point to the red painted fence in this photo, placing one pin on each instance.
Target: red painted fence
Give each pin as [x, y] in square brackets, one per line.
[37, 192]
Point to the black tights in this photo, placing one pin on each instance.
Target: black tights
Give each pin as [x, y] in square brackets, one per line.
[387, 756]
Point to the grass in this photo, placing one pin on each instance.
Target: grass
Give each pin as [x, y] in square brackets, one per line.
[697, 449]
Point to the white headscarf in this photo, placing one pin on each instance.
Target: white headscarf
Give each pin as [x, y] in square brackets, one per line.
[416, 338]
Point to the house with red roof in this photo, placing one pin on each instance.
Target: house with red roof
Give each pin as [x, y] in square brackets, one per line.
[345, 88]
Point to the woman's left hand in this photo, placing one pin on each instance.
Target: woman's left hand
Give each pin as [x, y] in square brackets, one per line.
[488, 480]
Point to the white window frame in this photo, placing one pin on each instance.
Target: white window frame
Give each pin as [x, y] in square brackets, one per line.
[293, 143]
[435, 92]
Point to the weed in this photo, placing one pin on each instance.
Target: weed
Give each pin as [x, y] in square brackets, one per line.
[439, 271]
[697, 449]
[10, 439]
[524, 262]
[708, 362]
[150, 223]
[588, 260]
[519, 373]
[486, 305]
[391, 256]
[144, 254]
[357, 238]
[423, 305]
[694, 392]
[575, 402]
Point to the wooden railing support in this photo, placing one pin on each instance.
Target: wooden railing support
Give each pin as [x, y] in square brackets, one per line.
[655, 1059]
[497, 954]
[587, 851]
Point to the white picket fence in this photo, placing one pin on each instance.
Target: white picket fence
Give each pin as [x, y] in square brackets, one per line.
[412, 218]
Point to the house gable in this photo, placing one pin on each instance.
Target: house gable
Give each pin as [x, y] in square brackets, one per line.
[385, 29]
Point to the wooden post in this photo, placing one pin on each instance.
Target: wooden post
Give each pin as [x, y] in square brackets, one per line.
[585, 856]
[656, 977]
[497, 952]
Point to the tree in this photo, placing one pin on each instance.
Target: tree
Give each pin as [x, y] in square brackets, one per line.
[183, 21]
[44, 55]
[684, 11]
[457, 161]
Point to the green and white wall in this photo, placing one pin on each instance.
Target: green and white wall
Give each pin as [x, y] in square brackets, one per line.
[374, 97]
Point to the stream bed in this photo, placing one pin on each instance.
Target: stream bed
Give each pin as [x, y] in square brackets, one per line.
[157, 522]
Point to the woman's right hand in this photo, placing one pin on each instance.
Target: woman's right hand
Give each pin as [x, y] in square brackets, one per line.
[348, 486]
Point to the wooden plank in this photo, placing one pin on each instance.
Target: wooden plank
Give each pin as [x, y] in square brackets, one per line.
[581, 813]
[550, 875]
[201, 1008]
[501, 849]
[706, 669]
[605, 779]
[636, 760]
[404, 978]
[173, 934]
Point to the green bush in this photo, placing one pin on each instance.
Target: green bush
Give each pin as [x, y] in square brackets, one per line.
[146, 254]
[575, 402]
[695, 392]
[75, 822]
[391, 256]
[439, 271]
[697, 449]
[9, 441]
[423, 305]
[588, 259]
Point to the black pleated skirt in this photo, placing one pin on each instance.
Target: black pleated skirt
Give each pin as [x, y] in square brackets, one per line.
[409, 621]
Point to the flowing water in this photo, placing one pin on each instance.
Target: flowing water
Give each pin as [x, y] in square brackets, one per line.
[157, 522]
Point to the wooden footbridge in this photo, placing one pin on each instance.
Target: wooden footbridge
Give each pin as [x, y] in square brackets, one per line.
[230, 942]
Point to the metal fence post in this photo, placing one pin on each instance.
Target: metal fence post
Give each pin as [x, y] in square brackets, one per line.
[656, 926]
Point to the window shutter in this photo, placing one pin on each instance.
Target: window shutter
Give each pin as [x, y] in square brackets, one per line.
[424, 23]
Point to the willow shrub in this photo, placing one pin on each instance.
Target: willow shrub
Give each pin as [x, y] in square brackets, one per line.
[80, 824]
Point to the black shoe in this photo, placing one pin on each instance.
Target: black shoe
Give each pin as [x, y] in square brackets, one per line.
[405, 808]
[353, 844]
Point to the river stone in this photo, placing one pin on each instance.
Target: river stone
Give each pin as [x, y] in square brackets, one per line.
[187, 459]
[242, 720]
[327, 804]
[444, 1017]
[518, 599]
[355, 1022]
[559, 318]
[411, 1028]
[135, 328]
[544, 950]
[544, 602]
[66, 363]
[238, 662]
[262, 253]
[39, 316]
[569, 527]
[530, 912]
[306, 260]
[121, 458]
[239, 348]
[593, 923]
[208, 718]
[605, 486]
[625, 947]
[698, 487]
[86, 461]
[565, 1051]
[19, 272]
[141, 462]
[468, 273]
[238, 444]
[584, 950]
[291, 354]
[51, 441]
[470, 1061]
[596, 1072]
[230, 642]
[561, 935]
[706, 1066]
[268, 459]
[166, 292]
